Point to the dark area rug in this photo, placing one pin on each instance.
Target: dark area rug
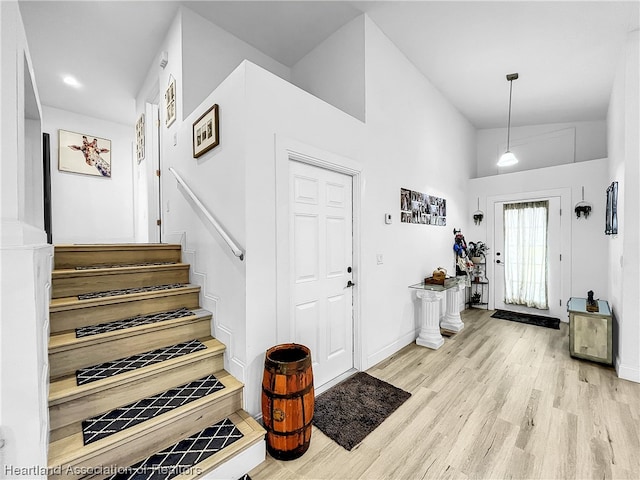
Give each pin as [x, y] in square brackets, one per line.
[351, 410]
[538, 320]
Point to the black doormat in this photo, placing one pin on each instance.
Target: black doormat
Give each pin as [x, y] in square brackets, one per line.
[351, 410]
[538, 320]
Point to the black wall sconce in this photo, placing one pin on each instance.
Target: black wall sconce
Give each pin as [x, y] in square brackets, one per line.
[478, 215]
[582, 207]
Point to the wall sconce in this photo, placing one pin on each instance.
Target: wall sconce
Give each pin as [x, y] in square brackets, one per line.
[582, 207]
[478, 215]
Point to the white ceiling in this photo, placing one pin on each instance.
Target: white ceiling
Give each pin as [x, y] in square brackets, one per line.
[565, 52]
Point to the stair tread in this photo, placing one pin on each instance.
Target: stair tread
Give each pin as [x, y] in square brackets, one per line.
[252, 433]
[129, 291]
[201, 452]
[128, 327]
[116, 269]
[65, 388]
[134, 362]
[68, 303]
[69, 449]
[119, 419]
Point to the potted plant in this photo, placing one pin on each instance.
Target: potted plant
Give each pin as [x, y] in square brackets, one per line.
[477, 251]
[476, 297]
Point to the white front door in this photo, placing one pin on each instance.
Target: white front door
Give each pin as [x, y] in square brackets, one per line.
[554, 291]
[321, 241]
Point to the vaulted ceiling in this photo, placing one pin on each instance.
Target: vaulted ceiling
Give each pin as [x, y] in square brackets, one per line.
[565, 52]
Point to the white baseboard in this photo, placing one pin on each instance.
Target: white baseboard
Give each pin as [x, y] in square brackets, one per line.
[236, 467]
[389, 350]
[628, 372]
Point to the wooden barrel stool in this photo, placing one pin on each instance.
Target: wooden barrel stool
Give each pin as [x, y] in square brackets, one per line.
[287, 400]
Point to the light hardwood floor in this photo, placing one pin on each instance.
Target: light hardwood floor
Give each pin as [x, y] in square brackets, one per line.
[498, 400]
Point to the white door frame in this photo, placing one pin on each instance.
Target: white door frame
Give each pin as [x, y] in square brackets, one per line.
[288, 150]
[565, 235]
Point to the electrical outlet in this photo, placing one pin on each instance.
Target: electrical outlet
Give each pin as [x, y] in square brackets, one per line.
[387, 218]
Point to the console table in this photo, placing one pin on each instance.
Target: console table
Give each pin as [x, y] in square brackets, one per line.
[430, 296]
[590, 333]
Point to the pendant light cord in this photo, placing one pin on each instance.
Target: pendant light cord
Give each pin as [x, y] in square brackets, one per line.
[509, 122]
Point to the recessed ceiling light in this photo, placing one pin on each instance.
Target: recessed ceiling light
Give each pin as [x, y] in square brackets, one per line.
[71, 81]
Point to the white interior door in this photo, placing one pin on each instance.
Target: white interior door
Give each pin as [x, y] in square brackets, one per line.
[553, 255]
[321, 240]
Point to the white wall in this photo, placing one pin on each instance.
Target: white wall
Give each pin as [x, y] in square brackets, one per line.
[152, 92]
[584, 246]
[414, 139]
[25, 259]
[538, 146]
[86, 208]
[218, 180]
[210, 54]
[334, 70]
[624, 258]
[237, 182]
[278, 111]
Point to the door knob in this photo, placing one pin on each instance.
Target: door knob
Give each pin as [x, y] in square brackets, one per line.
[350, 284]
[498, 261]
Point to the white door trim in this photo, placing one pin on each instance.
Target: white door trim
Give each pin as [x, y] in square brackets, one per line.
[565, 235]
[287, 150]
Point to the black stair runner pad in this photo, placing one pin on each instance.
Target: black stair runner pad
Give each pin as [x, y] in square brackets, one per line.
[125, 291]
[120, 265]
[184, 456]
[102, 426]
[132, 322]
[108, 369]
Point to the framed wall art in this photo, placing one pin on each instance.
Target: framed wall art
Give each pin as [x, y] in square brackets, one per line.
[206, 132]
[420, 208]
[611, 220]
[140, 138]
[170, 102]
[85, 154]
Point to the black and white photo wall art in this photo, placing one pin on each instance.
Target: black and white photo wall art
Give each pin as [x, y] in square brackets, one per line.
[421, 208]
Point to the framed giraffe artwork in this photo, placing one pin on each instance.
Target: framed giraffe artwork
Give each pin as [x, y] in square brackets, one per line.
[84, 154]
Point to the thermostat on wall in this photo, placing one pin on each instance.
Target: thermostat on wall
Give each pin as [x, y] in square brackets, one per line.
[387, 218]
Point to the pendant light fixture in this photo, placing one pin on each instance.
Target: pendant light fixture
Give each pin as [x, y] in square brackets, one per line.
[508, 158]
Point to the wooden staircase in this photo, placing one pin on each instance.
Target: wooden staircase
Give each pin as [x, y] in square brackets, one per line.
[136, 380]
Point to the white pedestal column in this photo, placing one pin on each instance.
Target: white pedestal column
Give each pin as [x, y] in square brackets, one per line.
[429, 335]
[452, 320]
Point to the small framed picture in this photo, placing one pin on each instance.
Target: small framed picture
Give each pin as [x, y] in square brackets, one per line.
[205, 132]
[85, 154]
[170, 102]
[140, 138]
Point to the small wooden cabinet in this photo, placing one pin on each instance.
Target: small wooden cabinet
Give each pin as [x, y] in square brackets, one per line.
[590, 333]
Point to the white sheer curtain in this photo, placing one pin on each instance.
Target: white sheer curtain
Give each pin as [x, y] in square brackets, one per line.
[525, 254]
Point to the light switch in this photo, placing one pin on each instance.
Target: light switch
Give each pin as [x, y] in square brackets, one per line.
[379, 258]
